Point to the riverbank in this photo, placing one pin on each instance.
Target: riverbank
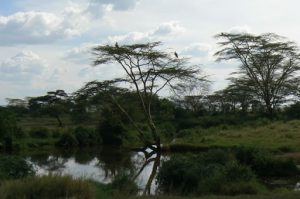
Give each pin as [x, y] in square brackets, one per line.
[278, 136]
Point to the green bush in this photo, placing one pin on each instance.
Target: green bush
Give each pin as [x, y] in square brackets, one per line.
[264, 164]
[206, 174]
[111, 131]
[8, 129]
[12, 167]
[86, 136]
[167, 130]
[216, 156]
[293, 111]
[67, 140]
[40, 132]
[46, 187]
[56, 133]
[8, 124]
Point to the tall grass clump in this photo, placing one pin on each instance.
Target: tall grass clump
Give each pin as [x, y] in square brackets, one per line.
[123, 185]
[47, 187]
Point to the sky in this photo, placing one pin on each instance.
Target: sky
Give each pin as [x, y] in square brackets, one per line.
[45, 45]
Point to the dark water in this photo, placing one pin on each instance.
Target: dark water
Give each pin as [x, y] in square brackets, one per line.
[101, 164]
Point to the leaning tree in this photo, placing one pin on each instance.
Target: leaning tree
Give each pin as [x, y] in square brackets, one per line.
[149, 70]
[268, 65]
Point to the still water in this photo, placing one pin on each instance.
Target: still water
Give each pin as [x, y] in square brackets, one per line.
[101, 164]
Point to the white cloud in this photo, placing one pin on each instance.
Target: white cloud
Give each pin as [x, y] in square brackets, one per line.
[116, 4]
[240, 29]
[164, 31]
[29, 74]
[26, 66]
[198, 50]
[81, 54]
[34, 27]
[168, 28]
[28, 69]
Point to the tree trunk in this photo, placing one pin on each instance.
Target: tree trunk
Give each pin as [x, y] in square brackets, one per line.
[147, 190]
[60, 124]
[270, 109]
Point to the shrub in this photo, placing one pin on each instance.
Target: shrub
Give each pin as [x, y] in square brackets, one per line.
[12, 167]
[86, 136]
[263, 163]
[293, 111]
[40, 132]
[204, 174]
[8, 129]
[216, 156]
[46, 187]
[67, 140]
[167, 129]
[56, 133]
[111, 131]
[8, 123]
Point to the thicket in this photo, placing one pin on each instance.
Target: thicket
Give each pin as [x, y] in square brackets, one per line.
[222, 172]
[13, 167]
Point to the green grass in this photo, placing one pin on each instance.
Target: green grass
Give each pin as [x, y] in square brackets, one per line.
[27, 123]
[46, 187]
[270, 196]
[279, 135]
[65, 187]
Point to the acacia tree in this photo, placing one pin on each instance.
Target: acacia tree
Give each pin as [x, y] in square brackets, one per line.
[148, 70]
[269, 65]
[54, 104]
[193, 97]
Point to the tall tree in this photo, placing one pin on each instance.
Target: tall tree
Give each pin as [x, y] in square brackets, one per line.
[269, 65]
[148, 70]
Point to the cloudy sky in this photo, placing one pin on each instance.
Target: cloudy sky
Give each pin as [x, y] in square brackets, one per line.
[45, 45]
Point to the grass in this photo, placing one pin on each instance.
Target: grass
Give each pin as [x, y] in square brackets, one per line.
[278, 136]
[269, 196]
[65, 187]
[47, 187]
[27, 123]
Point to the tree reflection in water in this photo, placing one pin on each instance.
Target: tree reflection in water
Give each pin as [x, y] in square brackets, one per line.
[151, 156]
[102, 163]
[114, 161]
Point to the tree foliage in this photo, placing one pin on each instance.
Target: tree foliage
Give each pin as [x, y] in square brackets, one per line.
[54, 103]
[268, 65]
[148, 70]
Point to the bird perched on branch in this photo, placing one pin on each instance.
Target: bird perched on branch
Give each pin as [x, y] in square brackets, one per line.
[117, 45]
[176, 55]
